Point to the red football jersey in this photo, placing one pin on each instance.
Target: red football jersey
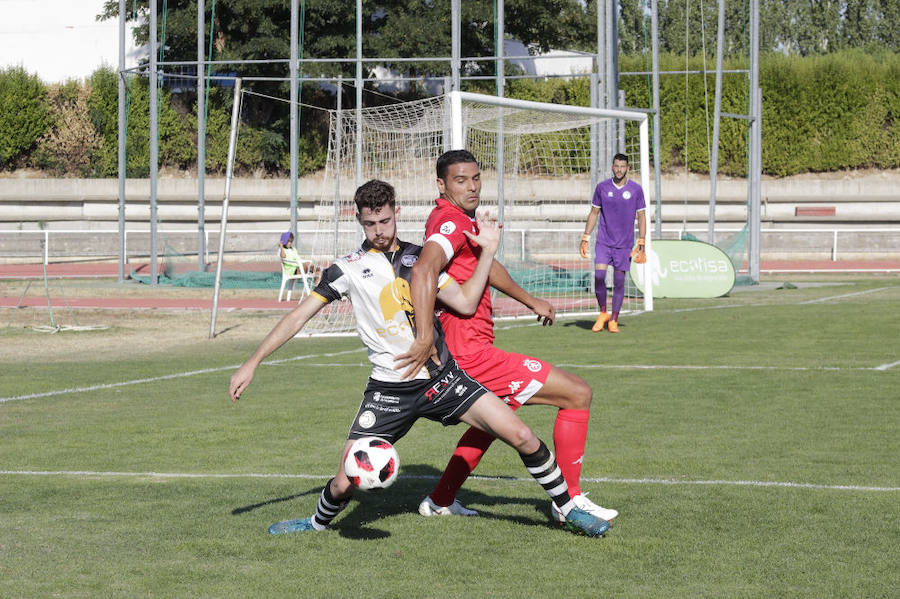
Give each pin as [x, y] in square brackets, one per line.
[445, 226]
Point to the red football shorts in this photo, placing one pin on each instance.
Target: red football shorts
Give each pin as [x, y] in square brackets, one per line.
[515, 378]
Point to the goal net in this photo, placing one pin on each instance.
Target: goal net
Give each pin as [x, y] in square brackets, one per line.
[536, 176]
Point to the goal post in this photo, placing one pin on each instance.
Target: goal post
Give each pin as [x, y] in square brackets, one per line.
[535, 160]
[458, 142]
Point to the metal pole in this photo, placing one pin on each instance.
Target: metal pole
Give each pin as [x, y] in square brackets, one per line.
[359, 94]
[122, 133]
[621, 124]
[612, 84]
[602, 157]
[201, 136]
[595, 142]
[454, 43]
[338, 158]
[755, 144]
[657, 171]
[154, 145]
[717, 117]
[295, 105]
[501, 143]
[223, 226]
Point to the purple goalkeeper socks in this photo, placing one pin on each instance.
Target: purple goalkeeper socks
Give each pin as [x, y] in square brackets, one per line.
[600, 288]
[618, 290]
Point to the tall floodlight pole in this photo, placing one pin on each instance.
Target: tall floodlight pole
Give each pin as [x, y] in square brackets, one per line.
[603, 89]
[455, 43]
[122, 132]
[154, 144]
[295, 106]
[201, 137]
[612, 75]
[717, 117]
[223, 226]
[755, 145]
[657, 175]
[359, 93]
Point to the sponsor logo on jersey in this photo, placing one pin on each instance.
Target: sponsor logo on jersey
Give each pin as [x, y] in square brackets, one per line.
[532, 365]
[448, 227]
[367, 419]
[354, 256]
[367, 273]
[514, 386]
[626, 195]
[380, 397]
[609, 194]
[408, 259]
[460, 389]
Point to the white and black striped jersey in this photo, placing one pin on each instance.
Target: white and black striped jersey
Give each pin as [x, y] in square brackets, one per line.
[377, 284]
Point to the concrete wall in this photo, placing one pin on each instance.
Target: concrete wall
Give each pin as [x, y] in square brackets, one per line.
[29, 204]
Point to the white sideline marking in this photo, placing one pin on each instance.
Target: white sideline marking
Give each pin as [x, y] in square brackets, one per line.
[765, 305]
[722, 367]
[826, 299]
[625, 481]
[166, 377]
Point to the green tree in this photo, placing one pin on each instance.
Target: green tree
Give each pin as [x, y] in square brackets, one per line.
[25, 114]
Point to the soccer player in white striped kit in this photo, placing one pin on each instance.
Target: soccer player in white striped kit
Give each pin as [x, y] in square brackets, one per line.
[376, 279]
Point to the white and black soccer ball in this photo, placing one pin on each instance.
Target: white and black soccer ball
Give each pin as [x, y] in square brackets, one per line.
[372, 464]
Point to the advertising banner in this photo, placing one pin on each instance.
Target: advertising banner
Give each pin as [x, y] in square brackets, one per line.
[685, 269]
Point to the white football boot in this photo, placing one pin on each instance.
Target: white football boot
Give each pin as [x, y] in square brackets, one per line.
[429, 508]
[583, 503]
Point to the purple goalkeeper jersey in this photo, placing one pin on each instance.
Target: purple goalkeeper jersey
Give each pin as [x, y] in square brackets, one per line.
[618, 208]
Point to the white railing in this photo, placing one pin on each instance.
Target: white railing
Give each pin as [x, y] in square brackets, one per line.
[51, 245]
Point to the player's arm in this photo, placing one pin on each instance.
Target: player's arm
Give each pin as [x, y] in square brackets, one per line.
[464, 298]
[286, 329]
[423, 286]
[502, 281]
[586, 237]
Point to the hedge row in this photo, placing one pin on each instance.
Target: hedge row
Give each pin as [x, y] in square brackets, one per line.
[821, 113]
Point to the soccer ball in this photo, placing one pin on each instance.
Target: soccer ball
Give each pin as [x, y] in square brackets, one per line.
[372, 464]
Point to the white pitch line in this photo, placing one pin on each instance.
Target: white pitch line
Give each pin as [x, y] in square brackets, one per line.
[828, 299]
[623, 481]
[165, 377]
[887, 366]
[722, 367]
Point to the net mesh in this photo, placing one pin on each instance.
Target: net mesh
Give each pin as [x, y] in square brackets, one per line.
[535, 175]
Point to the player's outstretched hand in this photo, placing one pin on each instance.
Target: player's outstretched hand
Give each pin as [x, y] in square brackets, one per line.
[545, 311]
[418, 355]
[583, 248]
[488, 237]
[240, 380]
[637, 254]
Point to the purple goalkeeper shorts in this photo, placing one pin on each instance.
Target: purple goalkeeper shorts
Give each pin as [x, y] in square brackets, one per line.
[618, 258]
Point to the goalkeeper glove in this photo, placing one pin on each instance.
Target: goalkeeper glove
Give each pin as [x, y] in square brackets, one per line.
[584, 245]
[638, 254]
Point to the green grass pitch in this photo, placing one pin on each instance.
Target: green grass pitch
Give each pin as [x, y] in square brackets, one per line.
[751, 444]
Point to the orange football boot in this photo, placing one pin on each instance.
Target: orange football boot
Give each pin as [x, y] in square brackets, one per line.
[601, 320]
[613, 326]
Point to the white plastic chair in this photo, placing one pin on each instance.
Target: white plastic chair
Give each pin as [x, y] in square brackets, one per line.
[305, 272]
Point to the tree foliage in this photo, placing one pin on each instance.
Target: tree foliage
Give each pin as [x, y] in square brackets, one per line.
[25, 114]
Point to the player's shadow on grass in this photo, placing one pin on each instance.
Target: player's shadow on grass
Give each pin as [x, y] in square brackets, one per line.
[403, 498]
[581, 324]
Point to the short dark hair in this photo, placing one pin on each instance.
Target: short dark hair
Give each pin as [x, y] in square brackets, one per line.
[450, 158]
[374, 195]
[620, 156]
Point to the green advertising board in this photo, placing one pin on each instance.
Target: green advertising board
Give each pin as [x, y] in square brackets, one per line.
[685, 269]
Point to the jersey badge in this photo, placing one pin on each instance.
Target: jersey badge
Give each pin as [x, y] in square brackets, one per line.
[626, 195]
[609, 194]
[532, 365]
[354, 256]
[448, 227]
[408, 259]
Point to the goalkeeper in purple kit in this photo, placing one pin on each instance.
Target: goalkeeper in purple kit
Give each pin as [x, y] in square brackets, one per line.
[616, 203]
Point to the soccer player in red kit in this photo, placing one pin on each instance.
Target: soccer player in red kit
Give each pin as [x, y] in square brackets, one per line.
[516, 378]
